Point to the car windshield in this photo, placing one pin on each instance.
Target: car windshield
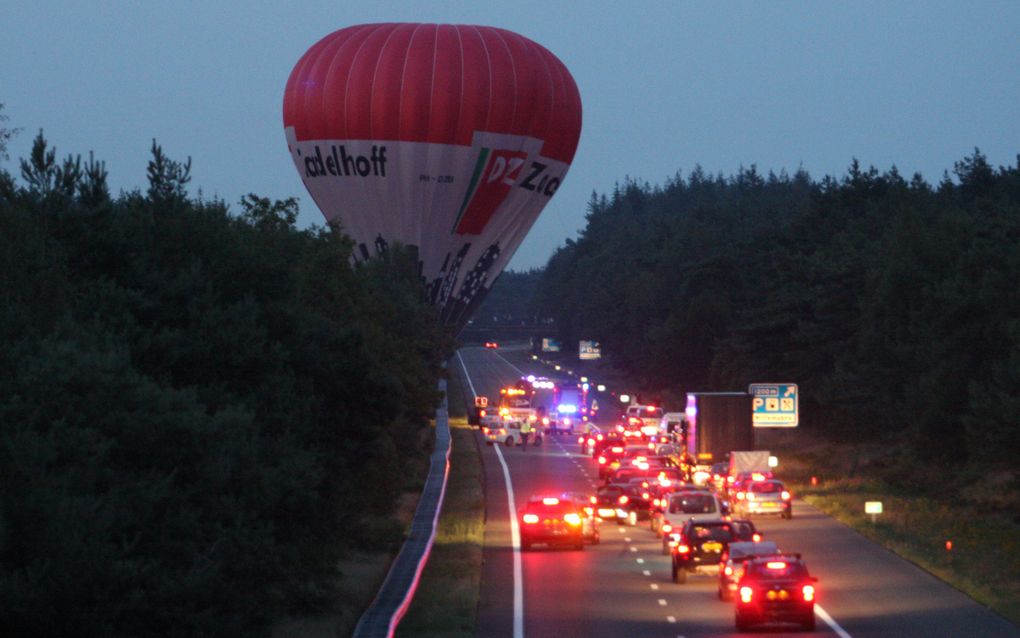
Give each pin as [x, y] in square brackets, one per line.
[690, 503]
[766, 487]
[778, 568]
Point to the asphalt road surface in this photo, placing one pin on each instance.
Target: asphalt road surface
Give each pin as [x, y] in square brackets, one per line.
[622, 587]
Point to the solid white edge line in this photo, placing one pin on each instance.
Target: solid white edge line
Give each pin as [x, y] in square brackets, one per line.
[515, 541]
[824, 615]
[515, 530]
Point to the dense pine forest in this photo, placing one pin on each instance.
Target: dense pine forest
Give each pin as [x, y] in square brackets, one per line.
[894, 304]
[201, 410]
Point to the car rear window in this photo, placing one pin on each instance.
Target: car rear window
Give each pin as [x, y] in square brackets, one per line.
[778, 568]
[692, 504]
[766, 487]
[712, 532]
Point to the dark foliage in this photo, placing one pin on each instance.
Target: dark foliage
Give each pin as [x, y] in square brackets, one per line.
[201, 412]
[895, 305]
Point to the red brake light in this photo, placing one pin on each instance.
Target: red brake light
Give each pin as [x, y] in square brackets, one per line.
[682, 549]
[602, 460]
[616, 450]
[580, 440]
[740, 496]
[728, 570]
[786, 495]
[624, 499]
[593, 499]
[776, 564]
[666, 528]
[599, 437]
[645, 495]
[809, 593]
[756, 537]
[745, 594]
[572, 518]
[550, 500]
[530, 519]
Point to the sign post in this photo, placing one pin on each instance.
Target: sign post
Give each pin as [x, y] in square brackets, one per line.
[774, 405]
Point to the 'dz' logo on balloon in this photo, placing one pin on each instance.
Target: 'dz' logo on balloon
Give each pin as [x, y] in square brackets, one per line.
[495, 174]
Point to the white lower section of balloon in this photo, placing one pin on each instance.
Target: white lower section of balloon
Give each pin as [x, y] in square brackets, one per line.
[466, 208]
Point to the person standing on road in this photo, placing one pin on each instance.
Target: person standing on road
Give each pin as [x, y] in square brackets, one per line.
[525, 432]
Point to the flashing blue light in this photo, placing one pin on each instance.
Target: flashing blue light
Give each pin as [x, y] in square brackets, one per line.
[565, 408]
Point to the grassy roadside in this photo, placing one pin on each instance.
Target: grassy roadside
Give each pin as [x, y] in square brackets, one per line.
[446, 602]
[984, 561]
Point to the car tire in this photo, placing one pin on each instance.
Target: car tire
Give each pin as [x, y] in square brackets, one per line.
[742, 624]
[674, 574]
[509, 441]
[679, 576]
[809, 623]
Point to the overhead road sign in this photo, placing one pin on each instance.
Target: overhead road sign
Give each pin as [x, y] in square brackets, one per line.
[774, 405]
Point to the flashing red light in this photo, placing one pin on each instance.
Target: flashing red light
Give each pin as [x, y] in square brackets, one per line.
[530, 519]
[624, 499]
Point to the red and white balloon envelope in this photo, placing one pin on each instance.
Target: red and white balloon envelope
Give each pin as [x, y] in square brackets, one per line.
[446, 138]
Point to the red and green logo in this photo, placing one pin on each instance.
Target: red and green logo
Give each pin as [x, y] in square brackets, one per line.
[495, 174]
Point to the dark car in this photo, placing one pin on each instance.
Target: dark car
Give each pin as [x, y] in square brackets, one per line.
[551, 521]
[731, 567]
[700, 547]
[775, 589]
[612, 504]
[744, 530]
[686, 505]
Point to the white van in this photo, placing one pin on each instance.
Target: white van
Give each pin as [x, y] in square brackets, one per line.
[509, 434]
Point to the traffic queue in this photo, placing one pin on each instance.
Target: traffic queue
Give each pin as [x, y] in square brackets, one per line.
[702, 513]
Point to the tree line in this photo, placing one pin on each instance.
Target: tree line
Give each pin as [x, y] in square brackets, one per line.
[895, 304]
[201, 411]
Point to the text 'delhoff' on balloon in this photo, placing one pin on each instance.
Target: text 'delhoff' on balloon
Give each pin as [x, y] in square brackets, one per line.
[447, 138]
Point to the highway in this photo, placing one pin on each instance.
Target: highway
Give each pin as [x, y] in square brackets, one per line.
[622, 587]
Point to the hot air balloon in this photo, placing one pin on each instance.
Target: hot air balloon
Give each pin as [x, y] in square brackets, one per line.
[446, 138]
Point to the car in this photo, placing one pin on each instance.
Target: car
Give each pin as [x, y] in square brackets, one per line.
[700, 547]
[609, 459]
[764, 497]
[590, 522]
[744, 530]
[683, 506]
[775, 589]
[614, 504]
[550, 520]
[509, 433]
[731, 565]
[492, 345]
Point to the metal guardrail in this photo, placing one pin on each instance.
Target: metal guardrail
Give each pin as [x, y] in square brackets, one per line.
[381, 618]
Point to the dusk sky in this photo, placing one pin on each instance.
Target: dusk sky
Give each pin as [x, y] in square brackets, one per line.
[664, 85]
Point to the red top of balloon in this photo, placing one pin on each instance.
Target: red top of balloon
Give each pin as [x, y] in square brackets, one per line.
[432, 83]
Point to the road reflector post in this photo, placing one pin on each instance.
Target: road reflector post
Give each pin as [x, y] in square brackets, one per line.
[874, 508]
[814, 480]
